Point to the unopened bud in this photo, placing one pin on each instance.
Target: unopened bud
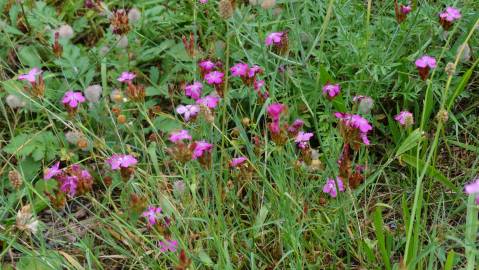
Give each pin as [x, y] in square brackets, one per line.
[121, 119]
[450, 69]
[442, 116]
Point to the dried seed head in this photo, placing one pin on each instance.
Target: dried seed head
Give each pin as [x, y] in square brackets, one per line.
[116, 96]
[246, 121]
[268, 4]
[121, 119]
[93, 93]
[83, 143]
[14, 101]
[25, 221]
[15, 179]
[442, 116]
[73, 136]
[65, 31]
[450, 69]
[134, 15]
[226, 9]
[466, 52]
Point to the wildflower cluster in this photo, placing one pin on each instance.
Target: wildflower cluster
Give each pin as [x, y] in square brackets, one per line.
[184, 150]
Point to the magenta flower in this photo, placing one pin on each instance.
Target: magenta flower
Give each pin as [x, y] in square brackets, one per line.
[209, 101]
[126, 77]
[194, 90]
[206, 65]
[31, 76]
[203, 1]
[180, 136]
[235, 162]
[200, 148]
[69, 185]
[273, 38]
[426, 62]
[274, 127]
[332, 90]
[406, 9]
[168, 245]
[52, 171]
[188, 111]
[274, 110]
[450, 14]
[152, 215]
[239, 70]
[297, 124]
[303, 138]
[473, 189]
[118, 161]
[354, 121]
[330, 187]
[255, 69]
[404, 118]
[72, 99]
[258, 84]
[214, 77]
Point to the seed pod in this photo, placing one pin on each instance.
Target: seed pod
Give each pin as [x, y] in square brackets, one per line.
[226, 9]
[121, 119]
[15, 179]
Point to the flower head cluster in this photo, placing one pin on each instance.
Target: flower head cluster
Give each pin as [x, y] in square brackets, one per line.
[188, 111]
[279, 40]
[331, 188]
[424, 64]
[213, 74]
[473, 189]
[124, 163]
[248, 75]
[184, 150]
[354, 128]
[194, 90]
[168, 245]
[126, 77]
[72, 99]
[72, 180]
[448, 17]
[401, 11]
[331, 90]
[405, 118]
[302, 139]
[237, 162]
[37, 85]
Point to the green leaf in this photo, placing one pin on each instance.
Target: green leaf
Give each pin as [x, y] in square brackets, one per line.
[410, 142]
[166, 124]
[379, 230]
[39, 146]
[29, 57]
[205, 259]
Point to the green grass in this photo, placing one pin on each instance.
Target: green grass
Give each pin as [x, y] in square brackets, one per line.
[409, 212]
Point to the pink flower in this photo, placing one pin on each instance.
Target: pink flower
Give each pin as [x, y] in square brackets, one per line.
[214, 77]
[404, 118]
[118, 161]
[303, 138]
[52, 171]
[273, 38]
[274, 127]
[354, 121]
[180, 136]
[209, 101]
[203, 1]
[152, 215]
[239, 70]
[274, 110]
[255, 69]
[168, 245]
[406, 9]
[31, 75]
[188, 111]
[235, 162]
[258, 84]
[69, 185]
[426, 61]
[72, 99]
[473, 187]
[194, 90]
[332, 90]
[450, 14]
[330, 187]
[126, 77]
[206, 65]
[200, 148]
[297, 124]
